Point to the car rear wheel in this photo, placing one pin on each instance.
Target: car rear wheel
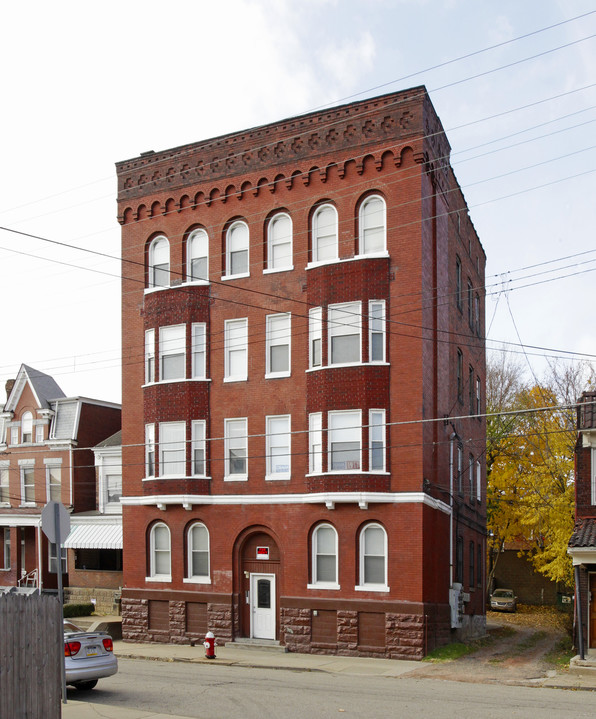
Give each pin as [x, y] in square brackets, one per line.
[85, 686]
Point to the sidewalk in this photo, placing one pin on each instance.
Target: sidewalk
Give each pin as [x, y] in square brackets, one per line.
[269, 658]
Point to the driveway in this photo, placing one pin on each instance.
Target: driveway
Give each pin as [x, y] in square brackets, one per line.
[514, 651]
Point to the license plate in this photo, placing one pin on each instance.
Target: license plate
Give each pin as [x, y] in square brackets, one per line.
[91, 651]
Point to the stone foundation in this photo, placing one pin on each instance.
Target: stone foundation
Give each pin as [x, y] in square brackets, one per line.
[107, 601]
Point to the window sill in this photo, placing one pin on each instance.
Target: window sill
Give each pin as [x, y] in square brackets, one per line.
[277, 375]
[160, 578]
[322, 263]
[196, 283]
[348, 364]
[332, 587]
[372, 255]
[225, 278]
[276, 478]
[371, 588]
[235, 379]
[365, 473]
[241, 478]
[196, 580]
[151, 290]
[28, 504]
[273, 270]
[173, 381]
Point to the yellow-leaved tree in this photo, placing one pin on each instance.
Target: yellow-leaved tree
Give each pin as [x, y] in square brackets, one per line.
[531, 434]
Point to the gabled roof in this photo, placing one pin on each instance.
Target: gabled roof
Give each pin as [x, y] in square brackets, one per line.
[114, 441]
[584, 533]
[44, 387]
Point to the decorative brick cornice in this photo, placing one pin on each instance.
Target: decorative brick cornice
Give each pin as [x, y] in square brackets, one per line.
[336, 135]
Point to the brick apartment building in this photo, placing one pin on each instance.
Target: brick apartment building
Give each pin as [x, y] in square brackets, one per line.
[582, 544]
[46, 442]
[303, 386]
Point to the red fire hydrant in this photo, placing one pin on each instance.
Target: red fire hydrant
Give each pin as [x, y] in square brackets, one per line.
[210, 645]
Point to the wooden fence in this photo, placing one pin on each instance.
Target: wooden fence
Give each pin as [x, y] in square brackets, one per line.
[31, 649]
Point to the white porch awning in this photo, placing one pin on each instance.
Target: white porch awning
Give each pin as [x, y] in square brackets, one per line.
[107, 535]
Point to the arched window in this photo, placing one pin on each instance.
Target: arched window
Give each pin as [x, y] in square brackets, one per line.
[159, 262]
[197, 257]
[324, 234]
[373, 226]
[279, 243]
[27, 427]
[373, 557]
[237, 250]
[198, 553]
[160, 553]
[324, 556]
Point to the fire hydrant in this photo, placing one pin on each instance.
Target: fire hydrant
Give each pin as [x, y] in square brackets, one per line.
[209, 645]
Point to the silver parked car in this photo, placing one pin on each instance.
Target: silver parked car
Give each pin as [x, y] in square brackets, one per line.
[503, 600]
[88, 656]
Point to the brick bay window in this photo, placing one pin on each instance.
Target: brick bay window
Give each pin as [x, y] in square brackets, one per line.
[344, 330]
[149, 356]
[172, 353]
[172, 449]
[344, 441]
[198, 448]
[199, 350]
[149, 450]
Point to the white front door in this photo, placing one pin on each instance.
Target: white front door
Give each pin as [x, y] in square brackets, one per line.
[262, 606]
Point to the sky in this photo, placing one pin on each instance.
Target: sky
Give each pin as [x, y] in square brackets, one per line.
[85, 86]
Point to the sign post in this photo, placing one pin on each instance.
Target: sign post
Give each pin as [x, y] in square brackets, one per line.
[55, 524]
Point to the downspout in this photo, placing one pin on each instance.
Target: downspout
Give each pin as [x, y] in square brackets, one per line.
[453, 437]
[578, 604]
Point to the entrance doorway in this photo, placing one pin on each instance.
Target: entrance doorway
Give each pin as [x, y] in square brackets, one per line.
[262, 606]
[258, 586]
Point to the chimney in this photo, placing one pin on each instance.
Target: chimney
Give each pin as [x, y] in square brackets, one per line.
[9, 386]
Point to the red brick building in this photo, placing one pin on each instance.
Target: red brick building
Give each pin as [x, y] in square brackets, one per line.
[582, 545]
[303, 386]
[46, 442]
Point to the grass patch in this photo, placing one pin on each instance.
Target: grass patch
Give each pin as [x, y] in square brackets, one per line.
[561, 653]
[449, 652]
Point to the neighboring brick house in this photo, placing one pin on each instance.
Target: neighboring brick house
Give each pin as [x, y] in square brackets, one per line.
[46, 453]
[582, 545]
[303, 445]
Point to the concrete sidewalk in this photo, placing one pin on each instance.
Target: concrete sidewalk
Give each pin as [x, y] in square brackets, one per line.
[274, 658]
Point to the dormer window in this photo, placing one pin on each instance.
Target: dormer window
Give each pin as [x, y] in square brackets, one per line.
[27, 428]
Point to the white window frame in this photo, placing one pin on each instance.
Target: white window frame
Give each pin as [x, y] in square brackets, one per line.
[190, 548]
[24, 468]
[172, 344]
[6, 543]
[199, 429]
[344, 427]
[233, 238]
[39, 433]
[321, 233]
[150, 450]
[199, 350]
[278, 333]
[372, 586]
[460, 468]
[275, 240]
[50, 468]
[149, 356]
[344, 320]
[278, 437]
[471, 478]
[478, 481]
[172, 447]
[110, 474]
[322, 583]
[154, 549]
[365, 226]
[5, 484]
[377, 326]
[236, 350]
[315, 335]
[27, 428]
[14, 434]
[235, 437]
[315, 443]
[159, 250]
[377, 434]
[197, 249]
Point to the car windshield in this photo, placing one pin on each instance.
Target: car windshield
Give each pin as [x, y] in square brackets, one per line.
[503, 593]
[70, 628]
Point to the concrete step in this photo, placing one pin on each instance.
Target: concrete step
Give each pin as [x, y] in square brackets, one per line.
[246, 643]
[585, 667]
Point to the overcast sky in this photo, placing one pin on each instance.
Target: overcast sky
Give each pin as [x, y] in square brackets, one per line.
[85, 86]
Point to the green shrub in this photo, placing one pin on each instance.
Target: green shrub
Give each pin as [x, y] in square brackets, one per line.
[78, 610]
